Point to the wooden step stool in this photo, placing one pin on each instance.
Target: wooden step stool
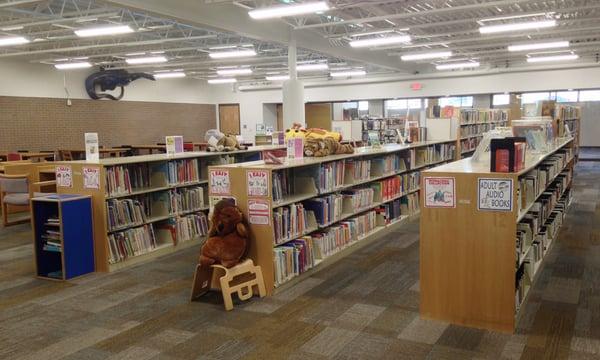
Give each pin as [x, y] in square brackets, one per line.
[242, 278]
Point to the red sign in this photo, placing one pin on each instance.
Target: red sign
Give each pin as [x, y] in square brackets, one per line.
[416, 86]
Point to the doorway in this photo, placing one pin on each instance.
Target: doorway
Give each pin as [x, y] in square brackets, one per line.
[229, 118]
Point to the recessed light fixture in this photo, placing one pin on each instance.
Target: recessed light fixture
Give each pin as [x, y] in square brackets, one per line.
[537, 59]
[388, 40]
[169, 75]
[146, 60]
[243, 71]
[222, 81]
[539, 46]
[232, 54]
[73, 65]
[463, 65]
[277, 77]
[491, 29]
[348, 73]
[13, 40]
[426, 56]
[312, 67]
[288, 10]
[104, 31]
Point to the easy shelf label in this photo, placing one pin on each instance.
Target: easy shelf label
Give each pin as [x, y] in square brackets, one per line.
[64, 176]
[91, 178]
[495, 194]
[258, 182]
[219, 182]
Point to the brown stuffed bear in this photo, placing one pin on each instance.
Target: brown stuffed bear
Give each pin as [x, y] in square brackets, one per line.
[227, 237]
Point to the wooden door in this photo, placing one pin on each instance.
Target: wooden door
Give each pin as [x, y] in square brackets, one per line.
[318, 115]
[280, 118]
[229, 118]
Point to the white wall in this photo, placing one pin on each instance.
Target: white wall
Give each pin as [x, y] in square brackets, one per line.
[251, 101]
[20, 78]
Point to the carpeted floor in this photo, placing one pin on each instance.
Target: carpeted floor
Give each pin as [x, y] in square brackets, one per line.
[363, 307]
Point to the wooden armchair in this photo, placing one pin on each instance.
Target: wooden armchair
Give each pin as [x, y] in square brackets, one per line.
[16, 190]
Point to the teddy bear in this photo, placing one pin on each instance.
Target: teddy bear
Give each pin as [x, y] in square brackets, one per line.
[217, 141]
[227, 237]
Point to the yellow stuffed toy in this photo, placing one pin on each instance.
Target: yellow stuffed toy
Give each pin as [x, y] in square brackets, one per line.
[297, 131]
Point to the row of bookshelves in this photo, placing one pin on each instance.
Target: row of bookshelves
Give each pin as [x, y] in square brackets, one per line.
[145, 239]
[477, 129]
[304, 253]
[483, 116]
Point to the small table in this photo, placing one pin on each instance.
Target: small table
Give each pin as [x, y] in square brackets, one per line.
[150, 148]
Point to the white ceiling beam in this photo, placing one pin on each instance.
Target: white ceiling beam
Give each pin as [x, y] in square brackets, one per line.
[8, 4]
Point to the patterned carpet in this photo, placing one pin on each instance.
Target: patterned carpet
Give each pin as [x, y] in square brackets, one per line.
[363, 307]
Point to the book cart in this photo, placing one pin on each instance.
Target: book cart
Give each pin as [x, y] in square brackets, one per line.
[484, 236]
[307, 213]
[149, 205]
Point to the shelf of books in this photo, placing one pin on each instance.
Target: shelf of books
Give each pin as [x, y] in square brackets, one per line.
[466, 125]
[147, 206]
[307, 213]
[571, 118]
[484, 235]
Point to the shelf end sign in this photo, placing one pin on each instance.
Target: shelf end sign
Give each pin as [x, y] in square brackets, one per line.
[495, 194]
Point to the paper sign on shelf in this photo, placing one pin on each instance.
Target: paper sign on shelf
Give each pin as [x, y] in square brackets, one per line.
[259, 211]
[440, 192]
[174, 144]
[295, 148]
[258, 182]
[219, 182]
[91, 147]
[495, 194]
[64, 176]
[91, 177]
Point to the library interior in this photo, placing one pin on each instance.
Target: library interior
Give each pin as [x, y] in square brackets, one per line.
[306, 179]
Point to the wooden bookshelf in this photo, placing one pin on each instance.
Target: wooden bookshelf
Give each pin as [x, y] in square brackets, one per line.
[260, 206]
[154, 195]
[470, 258]
[467, 126]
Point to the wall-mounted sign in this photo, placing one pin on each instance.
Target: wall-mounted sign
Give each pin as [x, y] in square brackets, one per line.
[440, 192]
[91, 147]
[495, 194]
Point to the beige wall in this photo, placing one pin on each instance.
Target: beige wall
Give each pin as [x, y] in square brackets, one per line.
[48, 123]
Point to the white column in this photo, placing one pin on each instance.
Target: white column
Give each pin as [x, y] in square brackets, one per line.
[293, 91]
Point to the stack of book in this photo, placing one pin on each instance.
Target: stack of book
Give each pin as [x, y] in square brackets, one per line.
[121, 180]
[124, 213]
[186, 199]
[191, 227]
[293, 259]
[359, 198]
[363, 224]
[182, 171]
[331, 176]
[333, 239]
[390, 211]
[409, 204]
[131, 242]
[282, 184]
[51, 239]
[289, 222]
[360, 170]
[327, 209]
[388, 188]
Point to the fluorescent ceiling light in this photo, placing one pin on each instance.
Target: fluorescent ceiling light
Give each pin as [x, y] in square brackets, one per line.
[73, 65]
[426, 56]
[515, 16]
[277, 77]
[388, 40]
[232, 54]
[552, 58]
[288, 10]
[312, 67]
[517, 26]
[348, 73]
[464, 65]
[244, 71]
[146, 60]
[13, 40]
[222, 81]
[373, 33]
[169, 75]
[104, 31]
[539, 46]
[12, 28]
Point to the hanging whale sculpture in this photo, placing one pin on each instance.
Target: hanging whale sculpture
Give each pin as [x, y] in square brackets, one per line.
[109, 80]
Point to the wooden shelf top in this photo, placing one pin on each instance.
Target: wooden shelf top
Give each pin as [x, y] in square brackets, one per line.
[358, 152]
[165, 157]
[469, 166]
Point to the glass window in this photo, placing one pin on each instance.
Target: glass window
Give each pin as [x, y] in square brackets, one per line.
[566, 96]
[414, 103]
[532, 98]
[589, 95]
[500, 99]
[363, 106]
[450, 101]
[396, 104]
[466, 101]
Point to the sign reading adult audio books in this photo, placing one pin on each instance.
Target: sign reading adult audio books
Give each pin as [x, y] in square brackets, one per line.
[64, 176]
[174, 144]
[258, 182]
[91, 177]
[495, 194]
[440, 192]
[258, 211]
[219, 182]
[91, 147]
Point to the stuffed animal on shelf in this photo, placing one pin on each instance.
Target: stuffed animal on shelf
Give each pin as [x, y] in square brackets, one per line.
[318, 133]
[227, 237]
[217, 141]
[326, 146]
[296, 131]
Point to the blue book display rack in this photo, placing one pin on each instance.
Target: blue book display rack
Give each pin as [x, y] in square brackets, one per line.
[63, 236]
